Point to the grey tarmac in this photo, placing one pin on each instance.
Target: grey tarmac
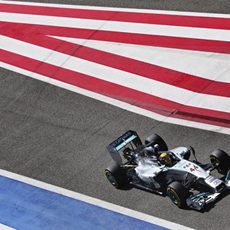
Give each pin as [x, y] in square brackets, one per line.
[59, 137]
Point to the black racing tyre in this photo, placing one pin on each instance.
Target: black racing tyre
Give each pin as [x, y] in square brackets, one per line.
[221, 160]
[156, 139]
[178, 194]
[116, 176]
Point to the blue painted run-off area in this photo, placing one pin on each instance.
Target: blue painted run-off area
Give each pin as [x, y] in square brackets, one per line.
[23, 206]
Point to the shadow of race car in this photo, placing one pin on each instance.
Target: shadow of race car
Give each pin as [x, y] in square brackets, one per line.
[152, 167]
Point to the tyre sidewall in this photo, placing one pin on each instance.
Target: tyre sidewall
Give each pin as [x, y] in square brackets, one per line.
[156, 139]
[118, 176]
[177, 194]
[221, 160]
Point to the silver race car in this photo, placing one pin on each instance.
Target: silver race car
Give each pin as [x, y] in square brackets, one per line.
[151, 166]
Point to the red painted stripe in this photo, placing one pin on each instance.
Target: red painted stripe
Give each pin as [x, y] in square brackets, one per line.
[175, 78]
[130, 38]
[145, 101]
[150, 18]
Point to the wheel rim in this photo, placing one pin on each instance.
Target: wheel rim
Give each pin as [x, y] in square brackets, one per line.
[173, 197]
[111, 178]
[215, 160]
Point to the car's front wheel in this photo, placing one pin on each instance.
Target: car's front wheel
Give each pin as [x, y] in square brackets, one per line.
[221, 160]
[178, 194]
[116, 176]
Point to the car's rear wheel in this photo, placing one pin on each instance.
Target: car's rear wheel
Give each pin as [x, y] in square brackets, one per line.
[156, 139]
[116, 176]
[178, 194]
[221, 160]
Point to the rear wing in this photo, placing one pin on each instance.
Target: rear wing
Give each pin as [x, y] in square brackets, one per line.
[128, 137]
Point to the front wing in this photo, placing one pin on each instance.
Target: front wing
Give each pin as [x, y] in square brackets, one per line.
[200, 200]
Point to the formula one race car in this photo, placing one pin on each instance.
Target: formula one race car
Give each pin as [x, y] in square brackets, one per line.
[151, 166]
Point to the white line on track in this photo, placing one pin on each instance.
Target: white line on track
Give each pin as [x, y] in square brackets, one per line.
[120, 104]
[118, 9]
[93, 201]
[142, 84]
[117, 103]
[4, 227]
[139, 28]
[212, 66]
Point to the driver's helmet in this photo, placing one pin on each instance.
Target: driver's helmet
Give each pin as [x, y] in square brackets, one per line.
[165, 159]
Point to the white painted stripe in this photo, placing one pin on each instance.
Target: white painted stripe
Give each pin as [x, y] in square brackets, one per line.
[118, 9]
[94, 201]
[139, 28]
[116, 76]
[117, 103]
[212, 66]
[4, 227]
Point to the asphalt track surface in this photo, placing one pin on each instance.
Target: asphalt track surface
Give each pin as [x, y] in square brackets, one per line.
[59, 137]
